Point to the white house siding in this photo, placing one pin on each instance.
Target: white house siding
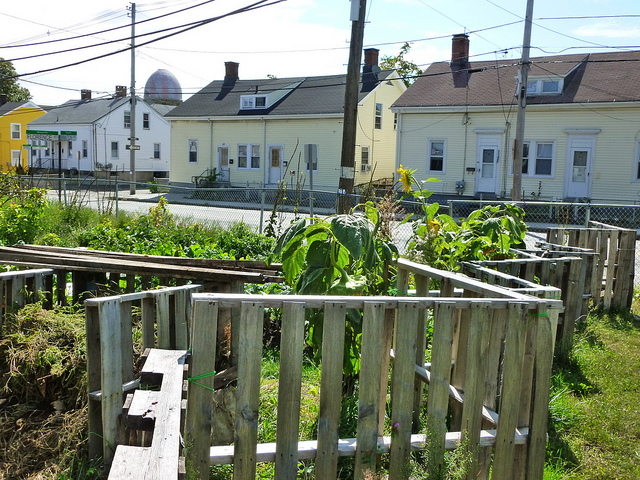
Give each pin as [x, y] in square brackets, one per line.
[615, 130]
[293, 134]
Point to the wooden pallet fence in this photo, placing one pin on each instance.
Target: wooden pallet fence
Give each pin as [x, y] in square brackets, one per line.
[165, 315]
[20, 287]
[611, 275]
[499, 345]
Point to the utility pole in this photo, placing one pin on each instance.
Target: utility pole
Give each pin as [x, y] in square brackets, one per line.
[132, 138]
[518, 145]
[349, 127]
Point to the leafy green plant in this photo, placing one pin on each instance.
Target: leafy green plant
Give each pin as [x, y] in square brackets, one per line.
[487, 233]
[340, 255]
[20, 216]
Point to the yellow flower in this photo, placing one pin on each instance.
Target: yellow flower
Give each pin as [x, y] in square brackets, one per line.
[434, 226]
[406, 178]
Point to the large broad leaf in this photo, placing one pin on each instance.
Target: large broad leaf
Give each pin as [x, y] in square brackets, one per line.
[354, 232]
[288, 235]
[492, 228]
[319, 254]
[293, 264]
[432, 210]
[315, 281]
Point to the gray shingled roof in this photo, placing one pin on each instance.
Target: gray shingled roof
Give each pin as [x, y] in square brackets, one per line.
[595, 77]
[80, 112]
[314, 96]
[9, 107]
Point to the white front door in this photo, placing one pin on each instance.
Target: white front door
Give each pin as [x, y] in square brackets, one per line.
[579, 165]
[223, 163]
[275, 164]
[487, 171]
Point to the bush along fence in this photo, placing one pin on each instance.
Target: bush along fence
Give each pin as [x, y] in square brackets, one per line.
[494, 399]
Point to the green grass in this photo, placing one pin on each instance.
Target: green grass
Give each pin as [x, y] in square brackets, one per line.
[594, 412]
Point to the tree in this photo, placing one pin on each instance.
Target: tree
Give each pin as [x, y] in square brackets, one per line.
[406, 69]
[9, 85]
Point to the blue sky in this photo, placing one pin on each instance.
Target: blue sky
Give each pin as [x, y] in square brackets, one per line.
[292, 38]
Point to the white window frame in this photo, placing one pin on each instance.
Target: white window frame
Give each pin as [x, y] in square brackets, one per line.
[192, 148]
[377, 122]
[157, 151]
[365, 166]
[431, 155]
[116, 150]
[16, 158]
[536, 86]
[146, 121]
[532, 164]
[249, 157]
[250, 102]
[69, 148]
[127, 116]
[16, 128]
[85, 148]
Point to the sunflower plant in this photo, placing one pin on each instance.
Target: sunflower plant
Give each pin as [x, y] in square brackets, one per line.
[438, 240]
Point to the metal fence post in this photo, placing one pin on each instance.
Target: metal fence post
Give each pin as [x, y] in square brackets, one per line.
[587, 216]
[450, 202]
[116, 195]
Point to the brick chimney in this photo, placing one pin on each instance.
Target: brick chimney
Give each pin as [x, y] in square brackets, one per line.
[370, 69]
[230, 72]
[121, 91]
[85, 94]
[460, 50]
[3, 98]
[460, 60]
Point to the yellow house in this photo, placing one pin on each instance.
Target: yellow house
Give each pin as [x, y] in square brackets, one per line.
[457, 123]
[14, 117]
[261, 132]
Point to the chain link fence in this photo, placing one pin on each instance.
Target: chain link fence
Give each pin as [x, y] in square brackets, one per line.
[278, 207]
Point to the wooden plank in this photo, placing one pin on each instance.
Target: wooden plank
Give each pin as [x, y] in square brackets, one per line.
[330, 382]
[94, 380]
[597, 280]
[573, 305]
[540, 400]
[369, 392]
[626, 262]
[181, 299]
[163, 324]
[477, 349]
[503, 463]
[403, 382]
[308, 449]
[438, 399]
[387, 342]
[612, 258]
[148, 315]
[204, 320]
[126, 343]
[248, 393]
[422, 290]
[289, 388]
[460, 352]
[111, 376]
[498, 321]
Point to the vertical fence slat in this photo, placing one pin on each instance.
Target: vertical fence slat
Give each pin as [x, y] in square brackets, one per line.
[148, 314]
[625, 270]
[540, 399]
[163, 319]
[330, 383]
[289, 388]
[248, 393]
[200, 403]
[422, 290]
[111, 375]
[601, 256]
[498, 322]
[477, 348]
[573, 304]
[126, 345]
[369, 393]
[403, 381]
[503, 463]
[438, 400]
[92, 329]
[181, 320]
[612, 258]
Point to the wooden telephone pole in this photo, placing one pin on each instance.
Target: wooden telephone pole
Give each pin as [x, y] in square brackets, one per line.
[132, 139]
[518, 145]
[349, 128]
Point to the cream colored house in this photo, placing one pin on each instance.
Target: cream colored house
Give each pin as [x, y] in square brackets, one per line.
[582, 131]
[260, 132]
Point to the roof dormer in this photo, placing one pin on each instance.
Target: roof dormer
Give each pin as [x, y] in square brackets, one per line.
[253, 102]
